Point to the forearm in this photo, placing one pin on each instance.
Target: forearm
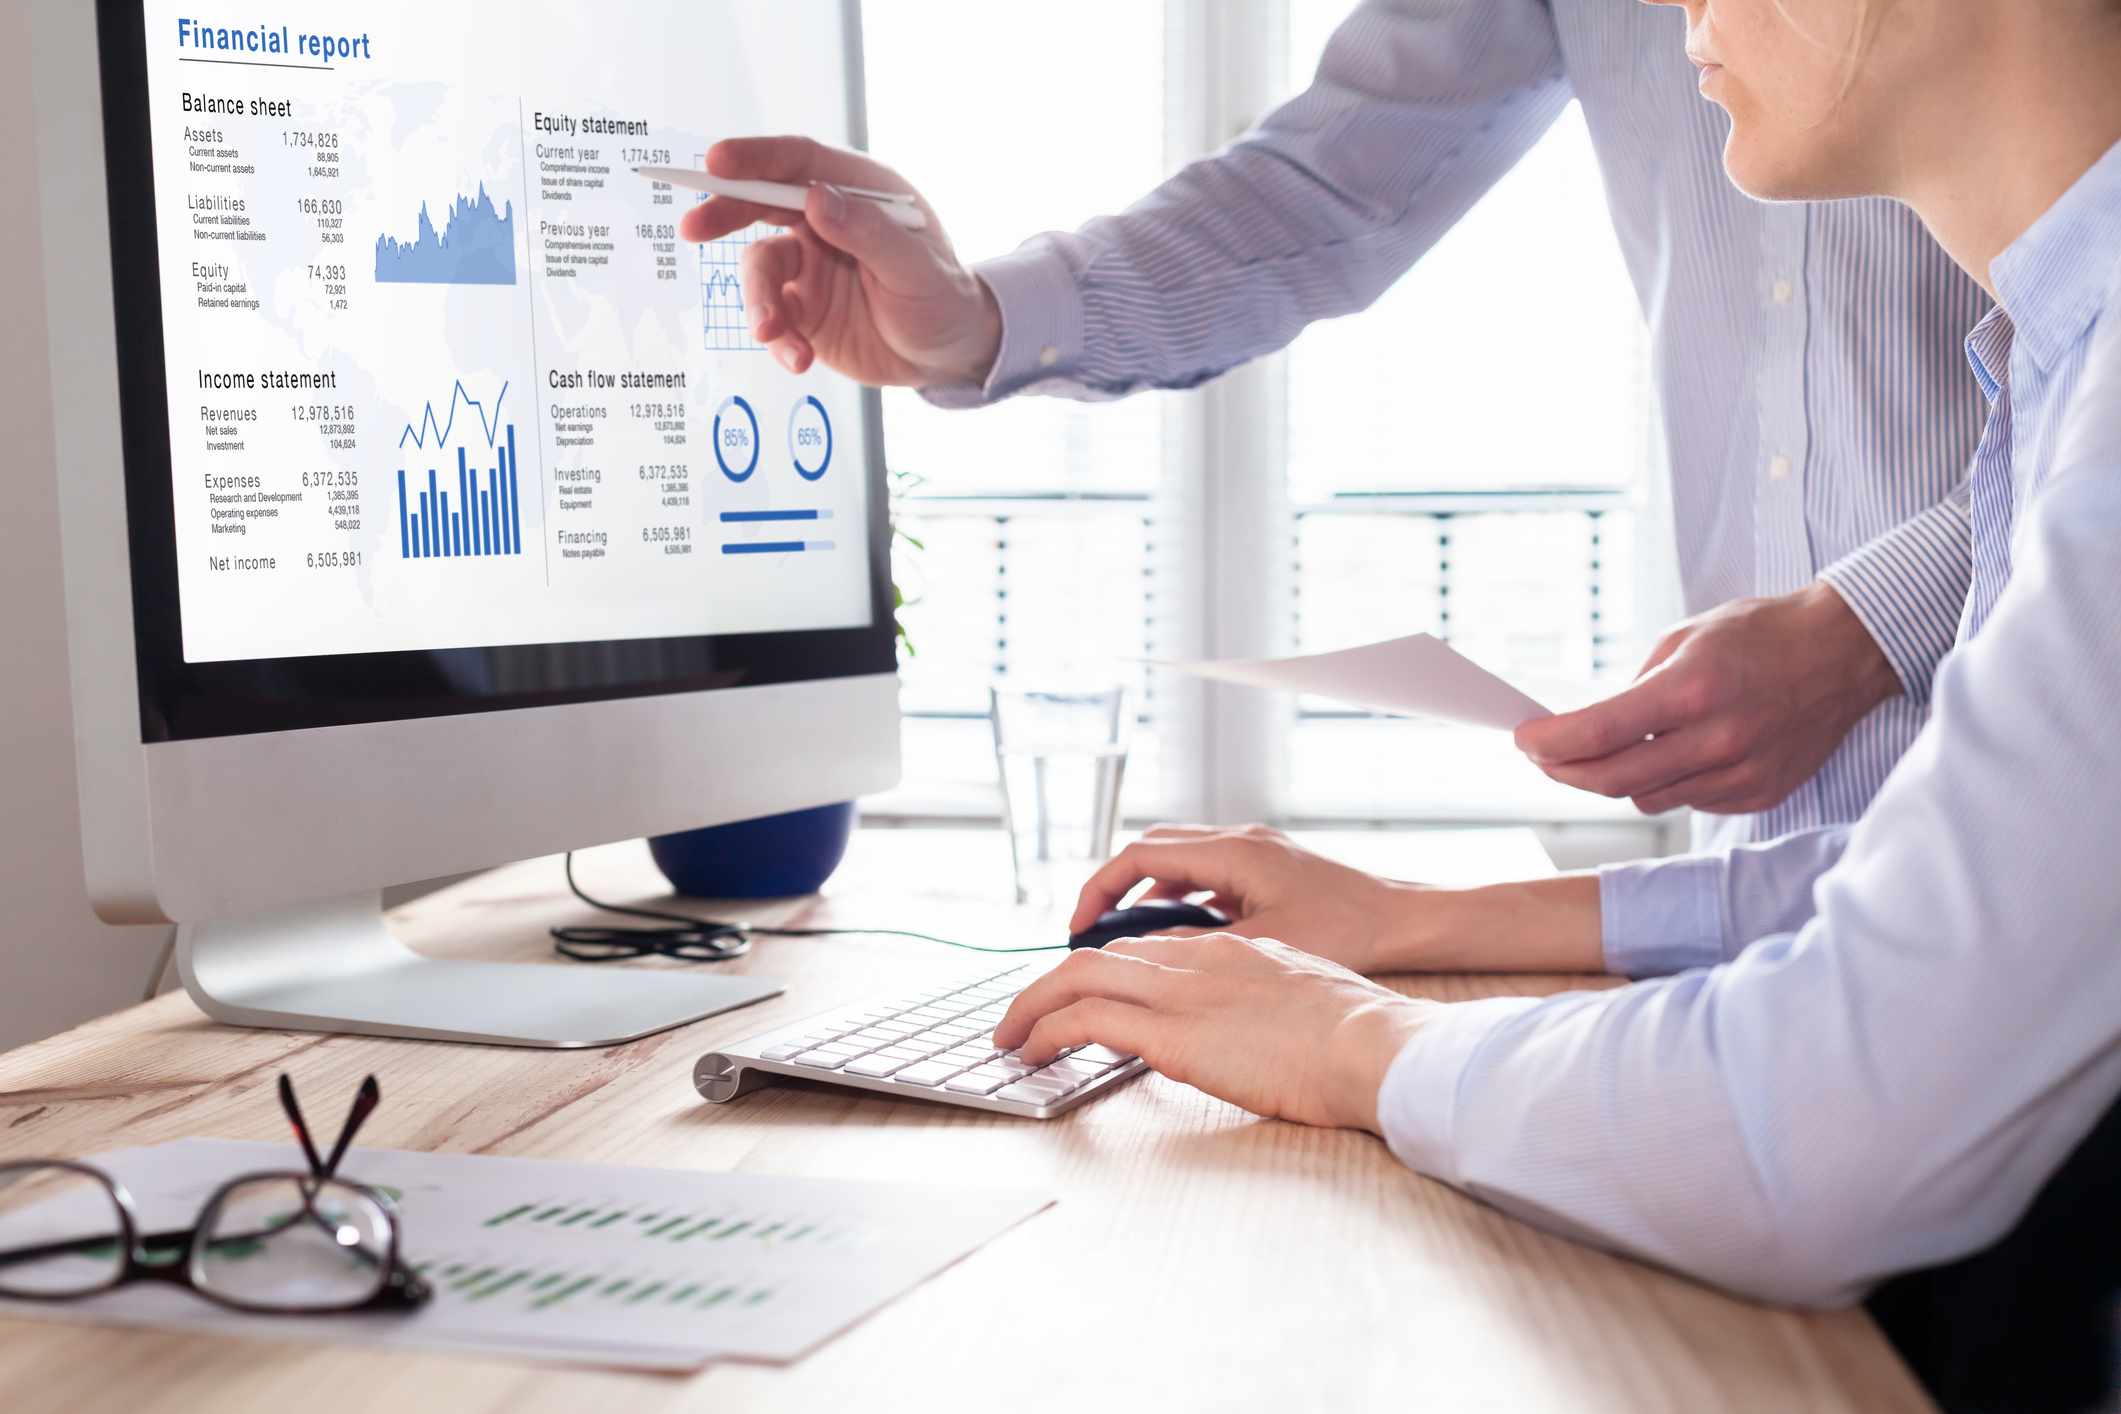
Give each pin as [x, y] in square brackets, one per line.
[1644, 918]
[1661, 916]
[1536, 925]
[1908, 587]
[1887, 1088]
[1416, 111]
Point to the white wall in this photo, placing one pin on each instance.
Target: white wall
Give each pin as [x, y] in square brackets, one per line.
[58, 965]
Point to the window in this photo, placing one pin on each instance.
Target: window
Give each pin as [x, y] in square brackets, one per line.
[1468, 458]
[1032, 517]
[1381, 477]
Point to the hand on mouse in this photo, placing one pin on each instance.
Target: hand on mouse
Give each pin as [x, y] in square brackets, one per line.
[1252, 1021]
[1269, 887]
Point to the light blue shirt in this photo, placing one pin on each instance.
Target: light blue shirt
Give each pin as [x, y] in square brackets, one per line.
[1769, 324]
[1885, 1083]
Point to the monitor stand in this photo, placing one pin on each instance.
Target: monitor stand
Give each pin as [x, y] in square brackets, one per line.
[334, 966]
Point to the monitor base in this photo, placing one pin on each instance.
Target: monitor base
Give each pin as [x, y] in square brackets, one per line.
[334, 966]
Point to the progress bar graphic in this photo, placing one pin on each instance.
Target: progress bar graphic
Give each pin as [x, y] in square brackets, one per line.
[775, 547]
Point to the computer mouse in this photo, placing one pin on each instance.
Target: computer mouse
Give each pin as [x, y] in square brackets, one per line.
[1151, 915]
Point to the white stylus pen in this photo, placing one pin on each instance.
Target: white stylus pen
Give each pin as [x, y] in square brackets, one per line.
[789, 196]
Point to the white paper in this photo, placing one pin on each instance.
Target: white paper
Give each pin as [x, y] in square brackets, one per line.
[1418, 676]
[525, 1254]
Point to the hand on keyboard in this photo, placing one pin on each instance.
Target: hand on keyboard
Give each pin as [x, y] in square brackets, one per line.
[1260, 1024]
[938, 1043]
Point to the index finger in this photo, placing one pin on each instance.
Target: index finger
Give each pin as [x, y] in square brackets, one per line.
[1602, 728]
[717, 216]
[1199, 864]
[1116, 977]
[799, 159]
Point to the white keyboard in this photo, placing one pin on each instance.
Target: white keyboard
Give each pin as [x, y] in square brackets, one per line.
[936, 1043]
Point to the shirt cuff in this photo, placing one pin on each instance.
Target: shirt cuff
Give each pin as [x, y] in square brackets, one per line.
[1661, 916]
[1042, 327]
[1417, 1104]
[1908, 589]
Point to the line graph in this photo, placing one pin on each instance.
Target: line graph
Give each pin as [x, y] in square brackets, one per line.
[722, 318]
[458, 397]
[476, 246]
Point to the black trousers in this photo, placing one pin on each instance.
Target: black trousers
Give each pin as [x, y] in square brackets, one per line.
[2028, 1325]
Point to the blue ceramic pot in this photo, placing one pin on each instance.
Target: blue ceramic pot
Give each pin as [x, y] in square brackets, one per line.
[775, 856]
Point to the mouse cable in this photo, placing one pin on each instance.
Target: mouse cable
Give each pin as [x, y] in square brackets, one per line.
[691, 939]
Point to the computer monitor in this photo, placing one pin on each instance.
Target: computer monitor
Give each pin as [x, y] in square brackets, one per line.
[427, 503]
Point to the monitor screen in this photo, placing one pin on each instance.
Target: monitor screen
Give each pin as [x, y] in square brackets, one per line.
[438, 394]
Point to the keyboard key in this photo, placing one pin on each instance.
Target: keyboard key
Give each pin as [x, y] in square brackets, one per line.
[925, 1073]
[984, 1080]
[1075, 1072]
[939, 1041]
[1035, 1090]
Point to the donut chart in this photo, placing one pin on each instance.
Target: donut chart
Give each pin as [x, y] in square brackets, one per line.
[810, 438]
[736, 439]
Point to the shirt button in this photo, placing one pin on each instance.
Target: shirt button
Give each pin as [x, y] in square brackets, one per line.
[1048, 356]
[1778, 469]
[1783, 290]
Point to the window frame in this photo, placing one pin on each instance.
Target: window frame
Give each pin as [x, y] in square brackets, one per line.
[1224, 543]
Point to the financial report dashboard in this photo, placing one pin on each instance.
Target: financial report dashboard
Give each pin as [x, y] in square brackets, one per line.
[440, 373]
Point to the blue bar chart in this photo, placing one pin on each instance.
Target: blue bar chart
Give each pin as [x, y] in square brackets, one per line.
[486, 515]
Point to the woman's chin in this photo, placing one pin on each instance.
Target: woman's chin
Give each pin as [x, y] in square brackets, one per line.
[1775, 176]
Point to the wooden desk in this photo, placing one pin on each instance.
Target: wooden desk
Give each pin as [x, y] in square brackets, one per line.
[1198, 1258]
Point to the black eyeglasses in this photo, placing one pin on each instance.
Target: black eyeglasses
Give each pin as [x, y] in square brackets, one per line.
[271, 1243]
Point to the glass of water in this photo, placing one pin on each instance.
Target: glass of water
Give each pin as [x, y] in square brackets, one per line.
[1063, 755]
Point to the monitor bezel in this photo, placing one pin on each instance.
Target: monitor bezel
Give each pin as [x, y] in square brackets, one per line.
[185, 701]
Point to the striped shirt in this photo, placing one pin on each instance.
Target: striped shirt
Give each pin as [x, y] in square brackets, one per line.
[1821, 1101]
[1766, 321]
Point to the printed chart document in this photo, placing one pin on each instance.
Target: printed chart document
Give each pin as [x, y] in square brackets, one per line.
[1418, 676]
[583, 1263]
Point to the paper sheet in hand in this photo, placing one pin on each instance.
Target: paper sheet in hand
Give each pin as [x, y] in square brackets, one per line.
[648, 1268]
[1420, 676]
